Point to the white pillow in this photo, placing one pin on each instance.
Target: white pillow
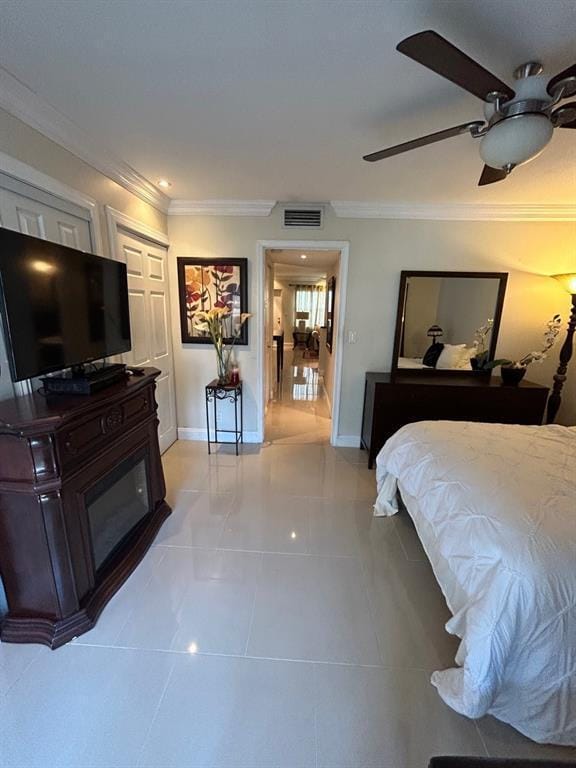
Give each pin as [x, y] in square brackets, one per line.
[451, 356]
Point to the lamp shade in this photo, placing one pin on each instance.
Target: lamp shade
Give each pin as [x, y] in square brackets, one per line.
[568, 281]
[434, 331]
[302, 315]
[515, 140]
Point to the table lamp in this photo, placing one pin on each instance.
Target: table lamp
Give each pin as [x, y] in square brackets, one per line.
[434, 332]
[568, 282]
[302, 317]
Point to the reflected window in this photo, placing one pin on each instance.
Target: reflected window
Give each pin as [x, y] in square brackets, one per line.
[305, 385]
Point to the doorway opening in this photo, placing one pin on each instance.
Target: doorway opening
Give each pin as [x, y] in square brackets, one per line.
[301, 319]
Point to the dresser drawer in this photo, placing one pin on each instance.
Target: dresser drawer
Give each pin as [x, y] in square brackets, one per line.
[84, 438]
[391, 403]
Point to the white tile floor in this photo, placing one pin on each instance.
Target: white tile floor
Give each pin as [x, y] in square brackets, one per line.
[275, 622]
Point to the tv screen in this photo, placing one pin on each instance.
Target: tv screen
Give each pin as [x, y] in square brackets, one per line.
[60, 307]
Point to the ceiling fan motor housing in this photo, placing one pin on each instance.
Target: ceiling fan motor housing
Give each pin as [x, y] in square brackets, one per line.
[519, 129]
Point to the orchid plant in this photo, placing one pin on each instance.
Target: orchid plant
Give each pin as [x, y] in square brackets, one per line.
[553, 327]
[218, 323]
[479, 344]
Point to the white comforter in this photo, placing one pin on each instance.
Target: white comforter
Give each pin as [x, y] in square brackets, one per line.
[495, 508]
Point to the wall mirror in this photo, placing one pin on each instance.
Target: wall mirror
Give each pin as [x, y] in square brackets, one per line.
[440, 317]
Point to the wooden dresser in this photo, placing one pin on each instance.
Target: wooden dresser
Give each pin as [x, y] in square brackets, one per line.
[391, 401]
[81, 499]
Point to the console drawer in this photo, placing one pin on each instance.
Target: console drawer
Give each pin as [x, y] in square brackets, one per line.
[83, 438]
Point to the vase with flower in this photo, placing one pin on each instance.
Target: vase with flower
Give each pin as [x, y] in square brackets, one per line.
[224, 331]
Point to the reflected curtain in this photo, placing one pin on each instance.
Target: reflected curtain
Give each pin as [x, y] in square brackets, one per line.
[311, 299]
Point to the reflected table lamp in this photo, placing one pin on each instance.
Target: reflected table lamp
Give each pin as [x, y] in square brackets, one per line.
[302, 317]
[434, 332]
[568, 282]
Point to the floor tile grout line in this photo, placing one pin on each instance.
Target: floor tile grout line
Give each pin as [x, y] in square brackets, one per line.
[155, 715]
[24, 671]
[309, 520]
[246, 494]
[403, 548]
[131, 611]
[316, 700]
[259, 551]
[365, 582]
[251, 657]
[481, 737]
[253, 612]
[222, 528]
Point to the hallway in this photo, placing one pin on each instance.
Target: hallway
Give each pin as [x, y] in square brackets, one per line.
[299, 410]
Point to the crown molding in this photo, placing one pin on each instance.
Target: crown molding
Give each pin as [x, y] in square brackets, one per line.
[350, 209]
[23, 103]
[221, 207]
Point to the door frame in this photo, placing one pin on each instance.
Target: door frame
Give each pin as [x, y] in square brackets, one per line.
[117, 220]
[305, 245]
[35, 178]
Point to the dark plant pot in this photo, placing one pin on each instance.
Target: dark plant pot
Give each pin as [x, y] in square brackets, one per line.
[479, 362]
[511, 376]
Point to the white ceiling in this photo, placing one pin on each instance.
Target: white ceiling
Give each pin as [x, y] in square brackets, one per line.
[260, 99]
[292, 257]
[288, 264]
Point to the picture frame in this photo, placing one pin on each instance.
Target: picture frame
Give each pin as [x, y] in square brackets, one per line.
[207, 283]
[330, 300]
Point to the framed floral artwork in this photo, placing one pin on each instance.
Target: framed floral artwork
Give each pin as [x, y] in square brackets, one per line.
[204, 284]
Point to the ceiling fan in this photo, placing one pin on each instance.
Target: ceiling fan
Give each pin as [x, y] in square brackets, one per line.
[518, 123]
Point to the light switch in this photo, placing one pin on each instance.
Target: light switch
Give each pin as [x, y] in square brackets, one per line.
[352, 337]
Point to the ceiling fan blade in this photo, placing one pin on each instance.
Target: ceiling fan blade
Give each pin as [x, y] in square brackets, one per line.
[491, 175]
[433, 51]
[565, 116]
[432, 138]
[569, 72]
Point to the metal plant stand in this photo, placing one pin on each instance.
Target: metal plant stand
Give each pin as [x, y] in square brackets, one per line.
[216, 392]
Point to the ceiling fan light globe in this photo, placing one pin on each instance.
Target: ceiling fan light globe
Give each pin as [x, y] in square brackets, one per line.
[515, 140]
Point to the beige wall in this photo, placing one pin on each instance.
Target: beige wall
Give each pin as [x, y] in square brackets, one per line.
[379, 250]
[420, 312]
[287, 304]
[30, 147]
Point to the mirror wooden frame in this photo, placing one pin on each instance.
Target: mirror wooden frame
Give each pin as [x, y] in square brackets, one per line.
[502, 277]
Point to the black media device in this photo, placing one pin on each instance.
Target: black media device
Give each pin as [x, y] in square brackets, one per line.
[62, 308]
[82, 380]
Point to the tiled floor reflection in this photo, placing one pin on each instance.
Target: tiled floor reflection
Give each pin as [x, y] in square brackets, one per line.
[298, 412]
[274, 623]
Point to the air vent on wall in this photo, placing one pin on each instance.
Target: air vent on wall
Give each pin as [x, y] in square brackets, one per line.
[303, 217]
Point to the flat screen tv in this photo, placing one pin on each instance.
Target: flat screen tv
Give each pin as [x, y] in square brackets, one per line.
[60, 307]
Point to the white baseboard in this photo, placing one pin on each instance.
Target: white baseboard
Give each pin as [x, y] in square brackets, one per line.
[192, 433]
[347, 441]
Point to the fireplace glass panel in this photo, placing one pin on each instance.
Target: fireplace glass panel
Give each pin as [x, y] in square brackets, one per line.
[115, 505]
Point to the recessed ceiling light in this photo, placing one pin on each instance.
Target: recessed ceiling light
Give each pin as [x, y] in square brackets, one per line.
[164, 183]
[303, 256]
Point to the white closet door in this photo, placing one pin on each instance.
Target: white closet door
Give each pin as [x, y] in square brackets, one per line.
[150, 322]
[39, 219]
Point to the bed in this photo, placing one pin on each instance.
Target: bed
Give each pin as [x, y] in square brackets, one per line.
[495, 508]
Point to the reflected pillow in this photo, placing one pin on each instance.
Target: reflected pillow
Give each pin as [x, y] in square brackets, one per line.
[432, 354]
[451, 356]
[464, 362]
